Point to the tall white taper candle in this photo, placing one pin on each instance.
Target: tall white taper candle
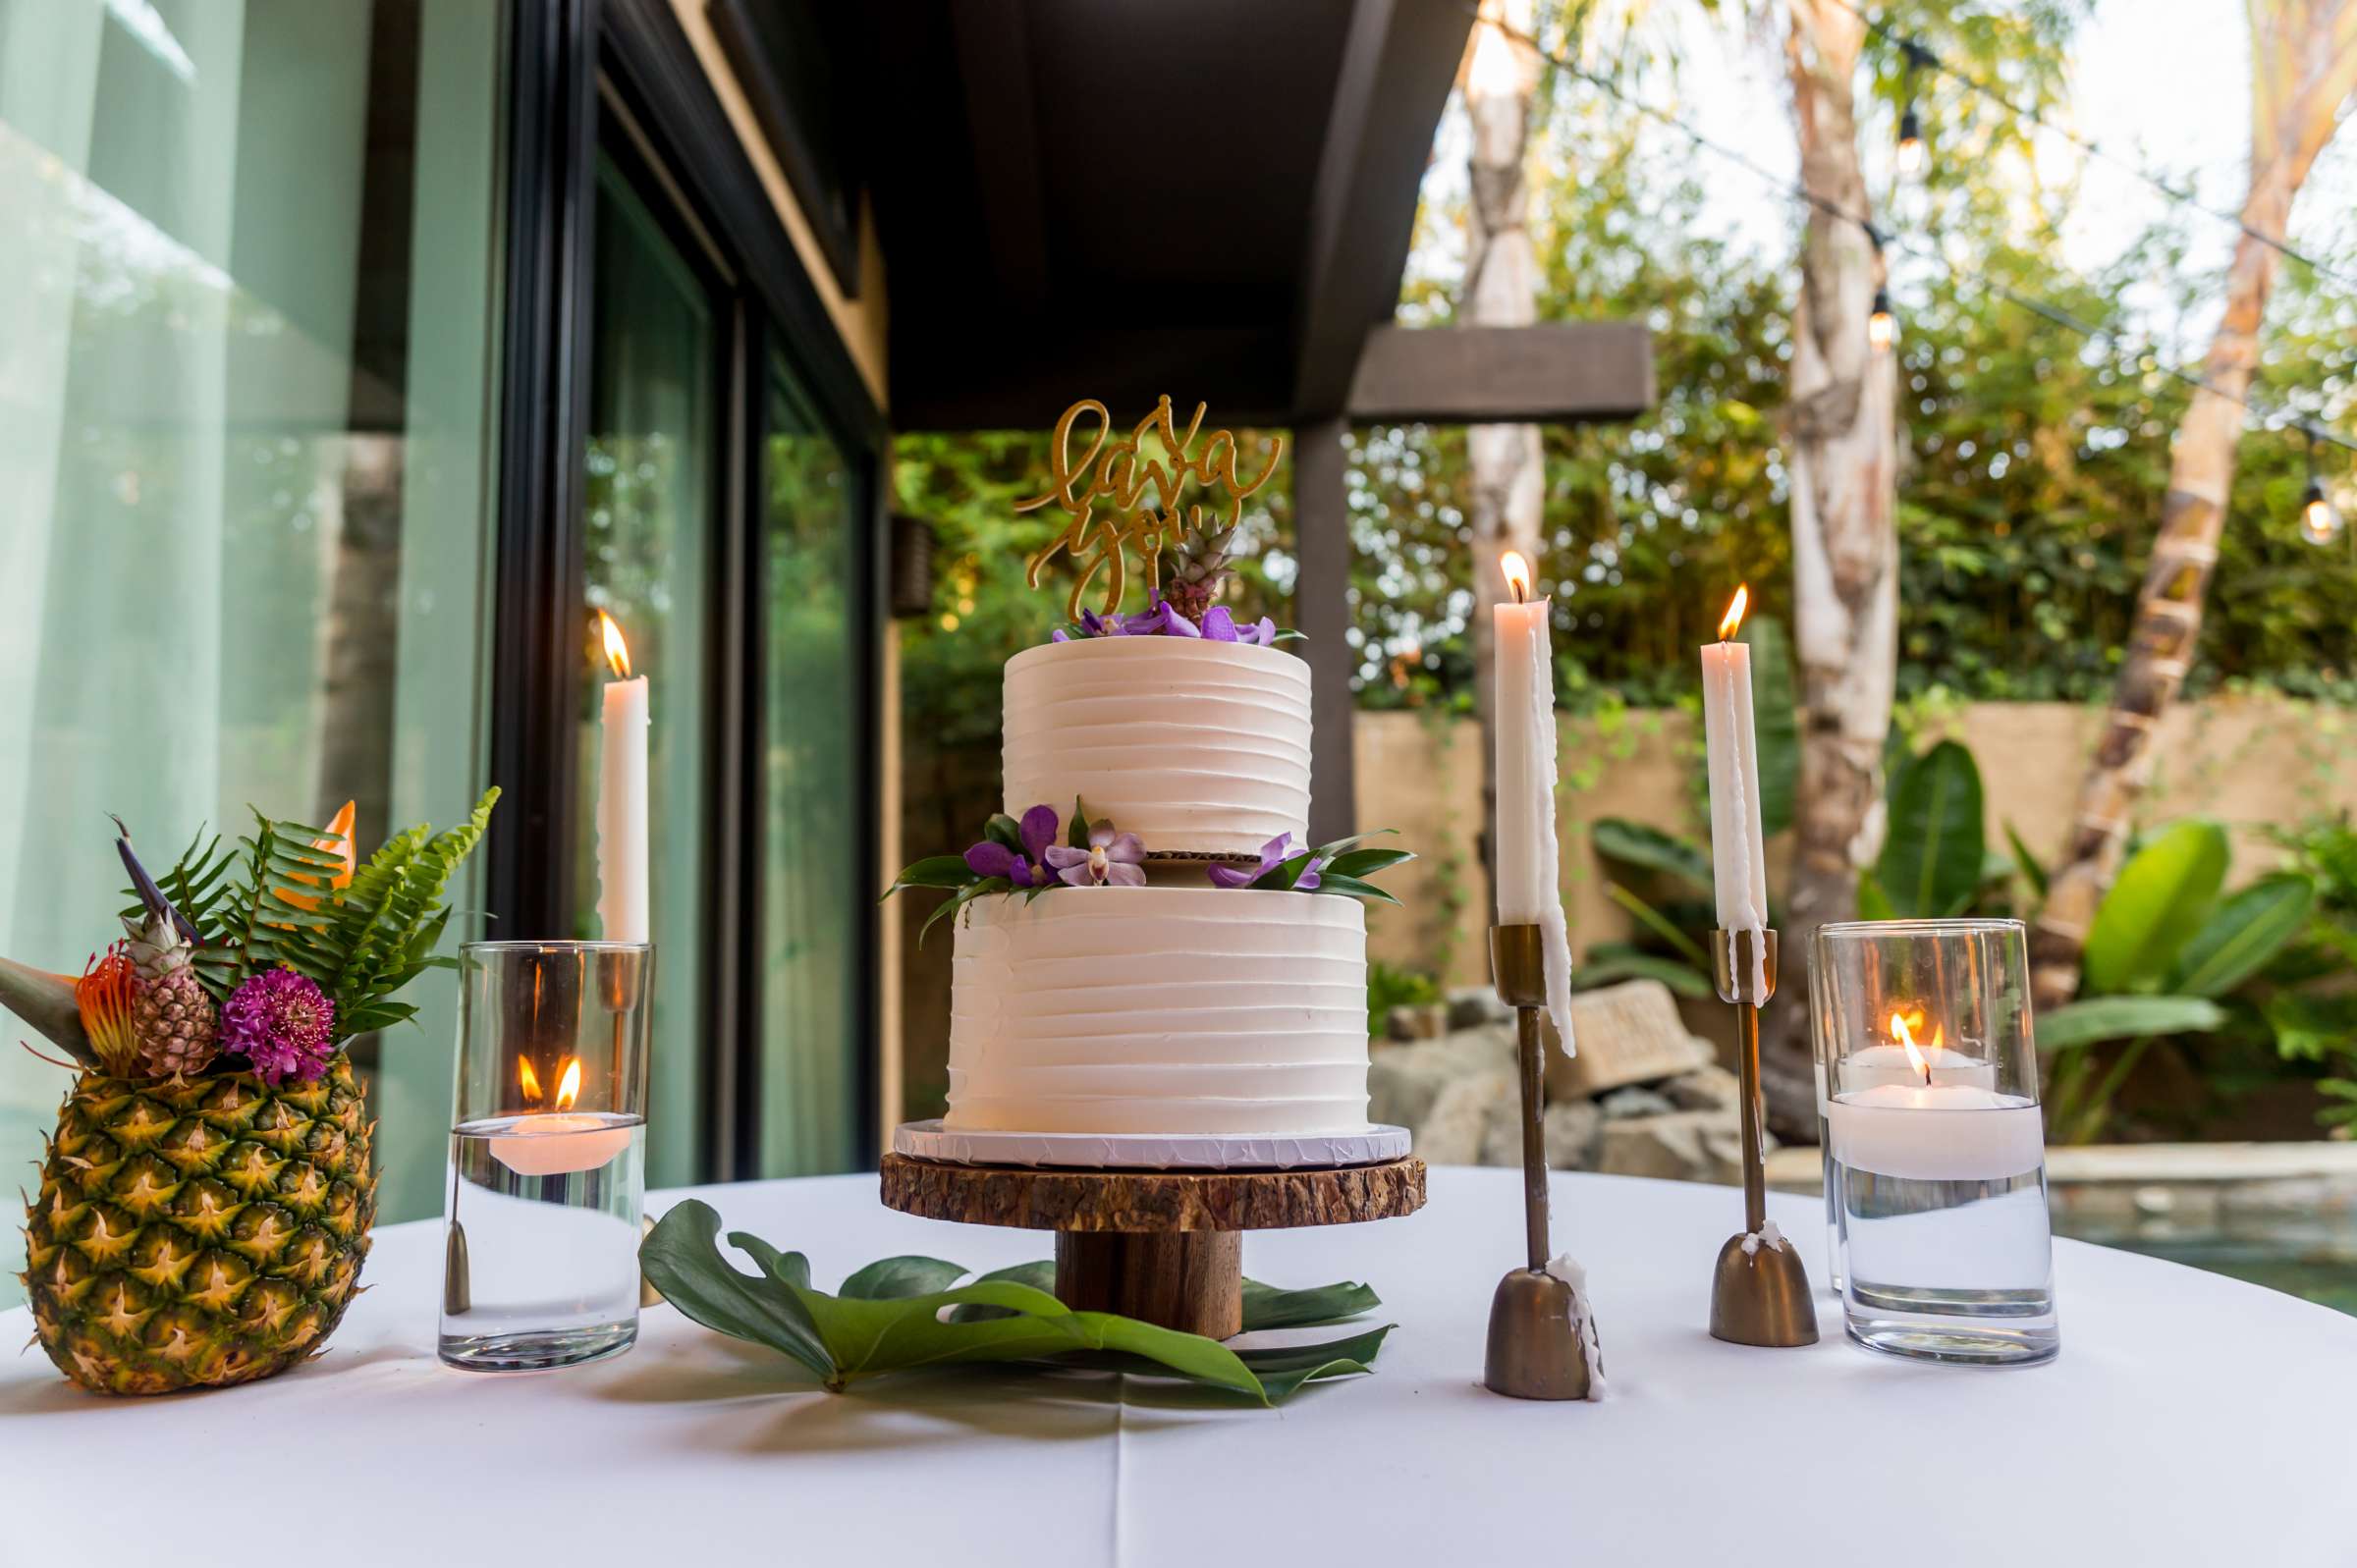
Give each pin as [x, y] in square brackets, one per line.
[1529, 883]
[622, 898]
[1738, 848]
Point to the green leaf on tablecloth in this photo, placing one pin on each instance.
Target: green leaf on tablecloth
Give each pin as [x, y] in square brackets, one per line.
[681, 1259]
[886, 1319]
[888, 1279]
[1282, 1369]
[1269, 1307]
[1039, 1275]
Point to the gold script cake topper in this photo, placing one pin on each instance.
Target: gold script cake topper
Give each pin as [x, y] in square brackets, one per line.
[1118, 473]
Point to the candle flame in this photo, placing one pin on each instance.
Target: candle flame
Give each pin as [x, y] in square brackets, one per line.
[1517, 574]
[568, 1087]
[1906, 1038]
[1732, 621]
[526, 1079]
[618, 652]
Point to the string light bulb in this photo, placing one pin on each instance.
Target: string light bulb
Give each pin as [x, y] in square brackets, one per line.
[1882, 326]
[2320, 521]
[1912, 155]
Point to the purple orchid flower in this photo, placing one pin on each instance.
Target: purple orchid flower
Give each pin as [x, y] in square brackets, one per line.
[1115, 858]
[1218, 624]
[1264, 634]
[990, 858]
[1272, 855]
[1160, 621]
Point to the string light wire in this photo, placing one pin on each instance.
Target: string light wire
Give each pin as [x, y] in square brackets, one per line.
[1921, 54]
[2271, 416]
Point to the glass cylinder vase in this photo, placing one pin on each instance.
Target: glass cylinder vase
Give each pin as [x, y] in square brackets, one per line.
[547, 1153]
[1934, 1143]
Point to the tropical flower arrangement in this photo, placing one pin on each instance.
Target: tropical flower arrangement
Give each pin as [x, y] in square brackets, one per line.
[205, 1200]
[1165, 619]
[1026, 855]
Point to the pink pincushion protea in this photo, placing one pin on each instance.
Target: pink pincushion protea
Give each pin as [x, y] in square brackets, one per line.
[281, 1023]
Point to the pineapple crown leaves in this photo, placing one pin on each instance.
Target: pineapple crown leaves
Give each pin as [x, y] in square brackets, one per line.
[360, 944]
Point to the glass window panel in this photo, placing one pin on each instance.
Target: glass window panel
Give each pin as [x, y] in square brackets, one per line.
[246, 386]
[814, 875]
[649, 509]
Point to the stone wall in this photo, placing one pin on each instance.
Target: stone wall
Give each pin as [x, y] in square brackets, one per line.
[2251, 762]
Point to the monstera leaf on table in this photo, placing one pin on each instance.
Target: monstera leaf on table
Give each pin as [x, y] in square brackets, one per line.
[911, 1315]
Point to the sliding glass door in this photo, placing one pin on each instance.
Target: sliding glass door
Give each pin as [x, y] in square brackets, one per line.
[816, 896]
[656, 445]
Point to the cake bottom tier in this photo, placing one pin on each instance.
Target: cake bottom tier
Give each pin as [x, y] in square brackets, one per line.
[1160, 1010]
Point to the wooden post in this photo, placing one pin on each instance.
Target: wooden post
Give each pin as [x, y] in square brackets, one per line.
[1322, 612]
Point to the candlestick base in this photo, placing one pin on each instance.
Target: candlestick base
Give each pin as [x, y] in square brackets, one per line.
[1759, 1289]
[1762, 1297]
[1534, 1350]
[1534, 1347]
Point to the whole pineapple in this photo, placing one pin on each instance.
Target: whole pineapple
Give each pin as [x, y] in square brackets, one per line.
[175, 1022]
[1201, 566]
[200, 1232]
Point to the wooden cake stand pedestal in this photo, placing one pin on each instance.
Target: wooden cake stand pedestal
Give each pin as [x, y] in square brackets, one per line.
[1166, 1247]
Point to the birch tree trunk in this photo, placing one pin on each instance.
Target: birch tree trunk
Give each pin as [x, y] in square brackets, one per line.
[2303, 68]
[1841, 450]
[1501, 290]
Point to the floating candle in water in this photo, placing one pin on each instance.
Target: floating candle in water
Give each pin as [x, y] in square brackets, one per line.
[558, 1143]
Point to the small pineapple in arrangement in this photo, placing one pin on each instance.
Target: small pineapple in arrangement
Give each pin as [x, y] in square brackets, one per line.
[205, 1200]
[172, 1018]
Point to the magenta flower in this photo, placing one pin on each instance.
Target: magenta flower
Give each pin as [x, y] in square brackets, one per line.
[282, 1024]
[990, 858]
[1272, 855]
[1113, 858]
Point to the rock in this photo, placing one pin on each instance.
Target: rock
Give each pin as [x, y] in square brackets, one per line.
[1683, 1146]
[1471, 1007]
[1570, 1130]
[1629, 1033]
[1404, 1083]
[1710, 1088]
[1416, 1020]
[1456, 1132]
[1623, 1104]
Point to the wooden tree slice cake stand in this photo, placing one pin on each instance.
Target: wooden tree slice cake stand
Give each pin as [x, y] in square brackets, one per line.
[1166, 1247]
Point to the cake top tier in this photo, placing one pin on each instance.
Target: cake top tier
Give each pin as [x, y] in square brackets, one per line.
[1196, 746]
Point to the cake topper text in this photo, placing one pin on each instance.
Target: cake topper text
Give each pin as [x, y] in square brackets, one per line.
[1118, 473]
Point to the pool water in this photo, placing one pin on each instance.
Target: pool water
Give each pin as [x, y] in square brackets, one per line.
[2312, 1260]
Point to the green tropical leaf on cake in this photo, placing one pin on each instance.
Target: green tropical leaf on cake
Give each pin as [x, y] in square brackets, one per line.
[909, 1314]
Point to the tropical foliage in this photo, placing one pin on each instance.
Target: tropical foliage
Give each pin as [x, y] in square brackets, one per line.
[903, 1315]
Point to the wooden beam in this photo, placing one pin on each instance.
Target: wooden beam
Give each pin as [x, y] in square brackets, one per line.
[1397, 63]
[1322, 613]
[1557, 373]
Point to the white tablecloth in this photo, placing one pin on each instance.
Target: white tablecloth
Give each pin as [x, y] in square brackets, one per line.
[2190, 1420]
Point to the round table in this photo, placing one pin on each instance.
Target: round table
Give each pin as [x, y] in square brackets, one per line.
[2191, 1419]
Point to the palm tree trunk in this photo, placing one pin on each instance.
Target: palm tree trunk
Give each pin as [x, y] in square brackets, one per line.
[1501, 290]
[1840, 450]
[2304, 66]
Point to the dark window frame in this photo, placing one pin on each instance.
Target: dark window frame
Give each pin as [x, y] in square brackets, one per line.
[572, 63]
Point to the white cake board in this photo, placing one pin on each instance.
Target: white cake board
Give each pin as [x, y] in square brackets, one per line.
[1147, 1151]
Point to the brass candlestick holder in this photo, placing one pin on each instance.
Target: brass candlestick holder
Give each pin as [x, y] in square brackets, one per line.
[1535, 1350]
[1759, 1293]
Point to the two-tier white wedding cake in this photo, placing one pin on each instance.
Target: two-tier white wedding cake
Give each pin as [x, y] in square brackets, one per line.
[1179, 1007]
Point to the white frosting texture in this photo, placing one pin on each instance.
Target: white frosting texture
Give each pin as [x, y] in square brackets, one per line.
[1191, 745]
[1160, 1010]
